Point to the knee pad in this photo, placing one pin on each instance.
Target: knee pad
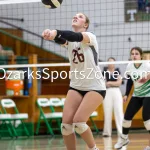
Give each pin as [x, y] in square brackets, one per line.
[67, 129]
[80, 127]
[147, 124]
[127, 123]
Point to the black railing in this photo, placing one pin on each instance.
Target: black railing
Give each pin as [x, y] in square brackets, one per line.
[19, 28]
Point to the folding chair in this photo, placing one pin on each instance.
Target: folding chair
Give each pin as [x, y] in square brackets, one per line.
[15, 118]
[47, 117]
[56, 102]
[63, 100]
[5, 126]
[94, 114]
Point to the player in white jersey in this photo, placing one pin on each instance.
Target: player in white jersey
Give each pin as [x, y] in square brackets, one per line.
[139, 76]
[87, 87]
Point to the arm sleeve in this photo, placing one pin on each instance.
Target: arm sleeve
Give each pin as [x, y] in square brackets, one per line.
[60, 41]
[129, 85]
[69, 35]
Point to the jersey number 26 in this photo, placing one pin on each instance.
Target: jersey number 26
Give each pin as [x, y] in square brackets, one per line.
[78, 57]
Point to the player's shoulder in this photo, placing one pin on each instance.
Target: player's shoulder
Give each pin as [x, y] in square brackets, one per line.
[90, 33]
[129, 66]
[117, 70]
[146, 64]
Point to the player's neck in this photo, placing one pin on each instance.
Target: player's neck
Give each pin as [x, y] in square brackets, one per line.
[111, 69]
[77, 29]
[137, 64]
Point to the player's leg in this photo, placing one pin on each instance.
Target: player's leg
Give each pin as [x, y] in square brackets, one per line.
[89, 103]
[71, 105]
[108, 108]
[118, 109]
[107, 143]
[146, 117]
[134, 105]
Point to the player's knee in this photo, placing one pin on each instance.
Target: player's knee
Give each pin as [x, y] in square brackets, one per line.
[80, 127]
[147, 124]
[67, 129]
[127, 123]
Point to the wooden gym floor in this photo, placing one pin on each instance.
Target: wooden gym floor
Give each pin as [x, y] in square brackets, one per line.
[137, 142]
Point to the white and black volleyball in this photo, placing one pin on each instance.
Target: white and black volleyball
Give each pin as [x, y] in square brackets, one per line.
[52, 3]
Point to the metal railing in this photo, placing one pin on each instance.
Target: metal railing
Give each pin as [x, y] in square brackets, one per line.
[19, 28]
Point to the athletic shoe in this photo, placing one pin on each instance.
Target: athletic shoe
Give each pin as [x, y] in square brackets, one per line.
[121, 142]
[147, 148]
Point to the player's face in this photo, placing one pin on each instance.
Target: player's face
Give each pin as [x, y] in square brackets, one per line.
[111, 65]
[79, 21]
[135, 55]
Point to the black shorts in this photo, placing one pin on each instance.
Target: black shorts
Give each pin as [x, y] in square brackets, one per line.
[101, 92]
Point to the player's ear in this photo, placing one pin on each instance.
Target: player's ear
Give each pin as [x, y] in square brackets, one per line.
[86, 25]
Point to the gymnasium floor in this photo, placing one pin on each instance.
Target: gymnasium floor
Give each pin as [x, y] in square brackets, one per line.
[138, 142]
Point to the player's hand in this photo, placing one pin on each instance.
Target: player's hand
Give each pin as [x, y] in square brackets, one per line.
[49, 34]
[143, 80]
[108, 84]
[125, 98]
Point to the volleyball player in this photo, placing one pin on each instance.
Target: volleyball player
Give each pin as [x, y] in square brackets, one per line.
[86, 91]
[140, 78]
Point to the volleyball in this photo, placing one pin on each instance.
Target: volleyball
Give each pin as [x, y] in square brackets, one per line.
[52, 3]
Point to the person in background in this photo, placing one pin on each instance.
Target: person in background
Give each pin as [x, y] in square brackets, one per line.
[113, 100]
[139, 78]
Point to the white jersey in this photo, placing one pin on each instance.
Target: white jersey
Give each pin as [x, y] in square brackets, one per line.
[136, 73]
[85, 73]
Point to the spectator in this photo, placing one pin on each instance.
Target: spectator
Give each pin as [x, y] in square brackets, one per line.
[113, 100]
